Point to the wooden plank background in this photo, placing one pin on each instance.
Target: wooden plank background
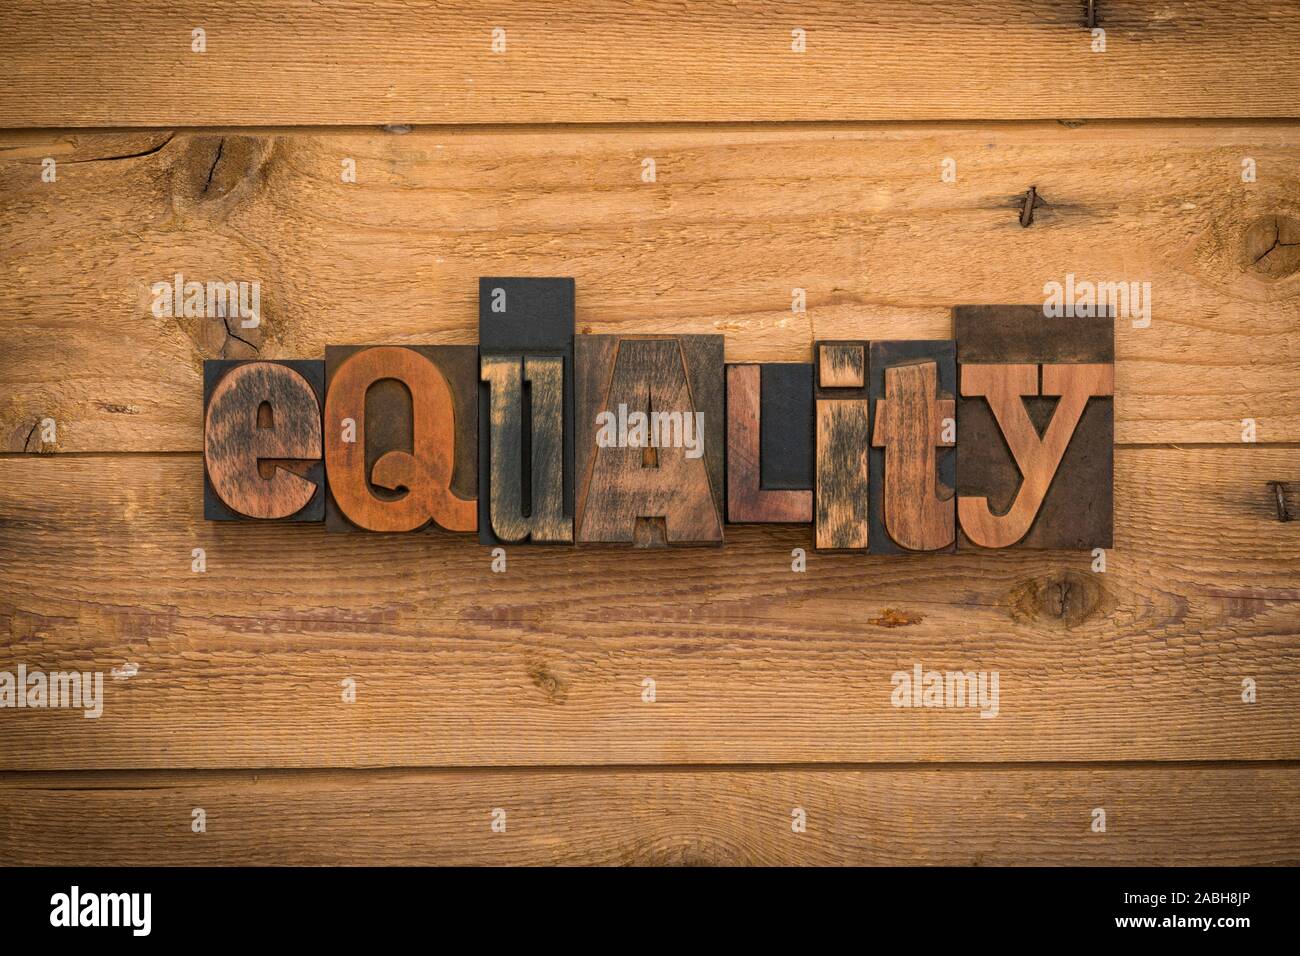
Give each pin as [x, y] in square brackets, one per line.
[96, 63]
[523, 690]
[858, 217]
[456, 665]
[1163, 814]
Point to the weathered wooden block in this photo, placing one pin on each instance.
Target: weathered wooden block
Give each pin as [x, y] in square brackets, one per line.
[913, 458]
[770, 443]
[1036, 418]
[842, 501]
[842, 364]
[526, 473]
[401, 428]
[650, 426]
[262, 453]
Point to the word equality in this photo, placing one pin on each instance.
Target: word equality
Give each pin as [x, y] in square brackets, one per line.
[999, 437]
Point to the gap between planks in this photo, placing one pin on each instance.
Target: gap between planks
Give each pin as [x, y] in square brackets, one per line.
[755, 126]
[113, 778]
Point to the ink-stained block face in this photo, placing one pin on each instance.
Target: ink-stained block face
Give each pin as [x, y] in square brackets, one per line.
[1036, 428]
[841, 513]
[521, 427]
[786, 450]
[525, 315]
[525, 430]
[649, 439]
[841, 364]
[913, 453]
[770, 425]
[262, 450]
[650, 431]
[400, 430]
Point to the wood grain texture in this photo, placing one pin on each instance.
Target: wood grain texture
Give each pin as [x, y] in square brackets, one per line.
[525, 343]
[961, 816]
[410, 458]
[544, 519]
[86, 64]
[914, 387]
[841, 512]
[842, 365]
[455, 665]
[747, 499]
[650, 415]
[1037, 428]
[523, 690]
[262, 455]
[857, 216]
[842, 447]
[1079, 520]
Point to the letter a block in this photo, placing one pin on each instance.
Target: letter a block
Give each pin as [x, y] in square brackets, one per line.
[262, 440]
[1037, 422]
[650, 430]
[401, 447]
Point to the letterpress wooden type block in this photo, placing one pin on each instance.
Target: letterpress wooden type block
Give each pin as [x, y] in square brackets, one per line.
[842, 495]
[650, 430]
[913, 458]
[401, 437]
[262, 453]
[525, 430]
[770, 443]
[1036, 428]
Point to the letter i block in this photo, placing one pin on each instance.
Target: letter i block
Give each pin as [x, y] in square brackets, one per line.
[401, 437]
[650, 431]
[262, 450]
[841, 513]
[525, 414]
[1037, 421]
[913, 453]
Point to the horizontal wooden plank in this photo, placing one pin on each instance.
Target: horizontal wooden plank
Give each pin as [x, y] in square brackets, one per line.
[293, 62]
[545, 664]
[957, 816]
[735, 221]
